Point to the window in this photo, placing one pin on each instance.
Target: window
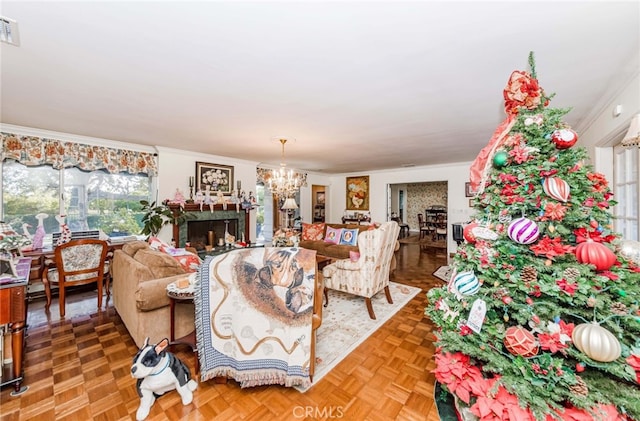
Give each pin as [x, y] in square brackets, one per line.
[91, 200]
[626, 189]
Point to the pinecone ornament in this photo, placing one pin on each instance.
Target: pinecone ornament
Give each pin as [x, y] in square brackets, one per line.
[619, 308]
[580, 388]
[529, 274]
[571, 274]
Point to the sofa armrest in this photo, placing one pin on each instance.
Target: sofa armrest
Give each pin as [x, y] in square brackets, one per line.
[152, 294]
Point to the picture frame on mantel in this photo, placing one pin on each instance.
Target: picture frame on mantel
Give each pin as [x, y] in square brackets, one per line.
[358, 193]
[219, 178]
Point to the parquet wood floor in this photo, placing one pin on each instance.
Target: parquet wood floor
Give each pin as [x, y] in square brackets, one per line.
[77, 368]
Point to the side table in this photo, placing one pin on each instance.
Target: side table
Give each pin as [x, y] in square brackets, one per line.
[176, 296]
[13, 311]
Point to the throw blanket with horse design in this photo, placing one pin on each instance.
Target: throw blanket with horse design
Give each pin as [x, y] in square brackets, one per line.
[253, 315]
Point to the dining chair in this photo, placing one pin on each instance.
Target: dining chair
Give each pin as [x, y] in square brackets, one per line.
[441, 226]
[78, 262]
[422, 226]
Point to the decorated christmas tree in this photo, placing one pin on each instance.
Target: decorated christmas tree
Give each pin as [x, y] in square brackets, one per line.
[540, 319]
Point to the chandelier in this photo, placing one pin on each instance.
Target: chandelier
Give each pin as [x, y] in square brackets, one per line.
[284, 183]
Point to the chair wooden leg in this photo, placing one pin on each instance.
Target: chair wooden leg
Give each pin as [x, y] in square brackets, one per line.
[61, 298]
[100, 282]
[372, 315]
[388, 294]
[47, 291]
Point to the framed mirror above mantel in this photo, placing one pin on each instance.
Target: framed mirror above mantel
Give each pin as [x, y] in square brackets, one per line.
[201, 225]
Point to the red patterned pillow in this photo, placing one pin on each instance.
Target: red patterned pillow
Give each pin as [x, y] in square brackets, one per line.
[312, 232]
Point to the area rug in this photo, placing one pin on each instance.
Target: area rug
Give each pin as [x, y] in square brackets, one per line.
[443, 272]
[346, 324]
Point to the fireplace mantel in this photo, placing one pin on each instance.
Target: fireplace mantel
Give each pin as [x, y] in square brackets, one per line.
[219, 213]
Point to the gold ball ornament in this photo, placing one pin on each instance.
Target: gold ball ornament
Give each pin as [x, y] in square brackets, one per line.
[596, 342]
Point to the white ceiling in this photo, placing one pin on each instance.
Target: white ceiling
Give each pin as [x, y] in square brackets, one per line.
[358, 85]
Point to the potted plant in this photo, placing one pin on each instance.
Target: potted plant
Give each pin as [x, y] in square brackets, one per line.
[156, 217]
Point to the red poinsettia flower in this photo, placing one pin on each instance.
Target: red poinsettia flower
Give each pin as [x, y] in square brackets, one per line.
[554, 212]
[514, 199]
[508, 190]
[519, 154]
[599, 181]
[508, 178]
[548, 173]
[609, 274]
[522, 90]
[634, 362]
[465, 330]
[501, 407]
[569, 288]
[603, 205]
[583, 234]
[558, 337]
[456, 372]
[551, 248]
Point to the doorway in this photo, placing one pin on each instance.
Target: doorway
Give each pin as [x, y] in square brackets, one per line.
[318, 202]
[407, 200]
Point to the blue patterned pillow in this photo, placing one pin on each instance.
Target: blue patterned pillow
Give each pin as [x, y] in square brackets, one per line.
[349, 237]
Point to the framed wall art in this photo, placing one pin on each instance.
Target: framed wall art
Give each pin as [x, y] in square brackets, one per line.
[358, 193]
[468, 191]
[320, 198]
[216, 177]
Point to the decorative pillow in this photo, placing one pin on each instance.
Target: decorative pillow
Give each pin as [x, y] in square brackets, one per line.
[312, 232]
[333, 235]
[354, 256]
[160, 264]
[349, 237]
[157, 244]
[189, 261]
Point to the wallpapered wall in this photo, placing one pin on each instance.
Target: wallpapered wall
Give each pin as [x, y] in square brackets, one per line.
[421, 196]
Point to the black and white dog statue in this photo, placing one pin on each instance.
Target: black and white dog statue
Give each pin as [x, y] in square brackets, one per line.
[158, 372]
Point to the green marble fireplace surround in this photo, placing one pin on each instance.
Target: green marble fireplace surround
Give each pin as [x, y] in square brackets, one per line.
[196, 227]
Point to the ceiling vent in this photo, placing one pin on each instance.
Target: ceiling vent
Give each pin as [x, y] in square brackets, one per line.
[9, 31]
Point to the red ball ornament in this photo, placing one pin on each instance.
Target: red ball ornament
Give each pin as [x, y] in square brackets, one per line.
[520, 341]
[468, 234]
[564, 138]
[507, 300]
[580, 367]
[597, 254]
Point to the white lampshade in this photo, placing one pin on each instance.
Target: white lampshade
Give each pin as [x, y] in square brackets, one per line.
[632, 138]
[290, 203]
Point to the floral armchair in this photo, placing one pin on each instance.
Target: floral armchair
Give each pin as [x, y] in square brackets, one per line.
[369, 274]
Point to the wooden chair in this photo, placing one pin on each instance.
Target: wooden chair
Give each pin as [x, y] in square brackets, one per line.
[78, 262]
[441, 226]
[423, 227]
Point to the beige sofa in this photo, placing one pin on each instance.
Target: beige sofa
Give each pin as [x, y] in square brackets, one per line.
[140, 278]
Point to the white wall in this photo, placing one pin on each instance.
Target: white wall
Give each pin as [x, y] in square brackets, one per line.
[606, 129]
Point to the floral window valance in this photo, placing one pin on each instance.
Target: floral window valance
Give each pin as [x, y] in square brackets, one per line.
[33, 151]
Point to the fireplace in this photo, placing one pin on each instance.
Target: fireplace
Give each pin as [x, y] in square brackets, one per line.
[199, 224]
[210, 231]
